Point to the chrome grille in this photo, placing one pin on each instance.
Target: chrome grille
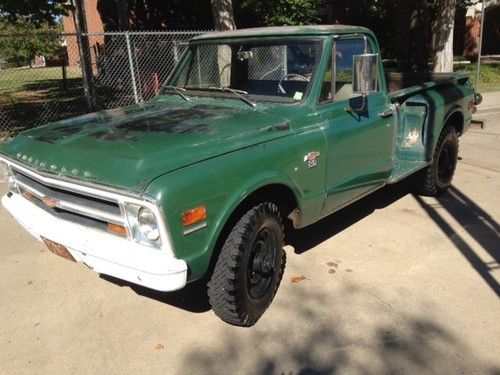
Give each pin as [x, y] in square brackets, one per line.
[69, 205]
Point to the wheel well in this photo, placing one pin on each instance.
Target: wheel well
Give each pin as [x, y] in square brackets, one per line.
[279, 194]
[457, 121]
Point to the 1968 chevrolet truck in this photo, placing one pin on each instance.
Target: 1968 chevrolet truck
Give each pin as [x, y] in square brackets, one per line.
[252, 128]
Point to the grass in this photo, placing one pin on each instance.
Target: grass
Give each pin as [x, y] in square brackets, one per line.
[490, 76]
[15, 80]
[29, 96]
[34, 96]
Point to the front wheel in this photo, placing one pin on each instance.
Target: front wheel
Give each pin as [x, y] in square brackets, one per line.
[249, 268]
[438, 176]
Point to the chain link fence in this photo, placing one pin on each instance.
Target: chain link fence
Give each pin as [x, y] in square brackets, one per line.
[83, 73]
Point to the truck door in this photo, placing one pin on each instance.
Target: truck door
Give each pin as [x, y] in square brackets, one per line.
[360, 143]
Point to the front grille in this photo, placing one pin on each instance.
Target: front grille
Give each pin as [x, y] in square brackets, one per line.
[69, 205]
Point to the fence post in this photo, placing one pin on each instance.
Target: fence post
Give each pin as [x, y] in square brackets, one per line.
[85, 55]
[478, 77]
[131, 65]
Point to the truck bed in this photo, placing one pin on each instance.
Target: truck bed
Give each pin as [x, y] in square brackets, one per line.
[410, 83]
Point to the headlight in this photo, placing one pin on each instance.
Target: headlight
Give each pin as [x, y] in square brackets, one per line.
[143, 225]
[148, 224]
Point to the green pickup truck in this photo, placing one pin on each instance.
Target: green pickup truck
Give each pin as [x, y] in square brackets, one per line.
[252, 128]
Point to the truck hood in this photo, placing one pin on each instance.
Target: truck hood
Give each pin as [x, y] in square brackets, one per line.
[130, 146]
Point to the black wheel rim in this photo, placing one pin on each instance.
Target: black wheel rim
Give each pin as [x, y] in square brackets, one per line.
[445, 163]
[261, 264]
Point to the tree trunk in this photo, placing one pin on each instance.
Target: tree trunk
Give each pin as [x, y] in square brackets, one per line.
[222, 12]
[442, 39]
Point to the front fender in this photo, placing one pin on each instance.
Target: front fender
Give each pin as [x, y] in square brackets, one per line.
[222, 184]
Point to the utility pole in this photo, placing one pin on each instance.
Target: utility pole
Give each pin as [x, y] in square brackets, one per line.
[84, 50]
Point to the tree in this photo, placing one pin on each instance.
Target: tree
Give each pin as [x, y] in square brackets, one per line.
[38, 12]
[442, 21]
[27, 40]
[278, 12]
[222, 12]
[442, 36]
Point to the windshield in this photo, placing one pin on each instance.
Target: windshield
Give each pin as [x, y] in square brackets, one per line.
[266, 71]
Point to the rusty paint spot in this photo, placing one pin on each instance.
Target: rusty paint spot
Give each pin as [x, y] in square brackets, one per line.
[298, 278]
[159, 347]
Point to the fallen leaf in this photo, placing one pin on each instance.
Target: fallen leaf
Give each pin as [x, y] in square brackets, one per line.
[298, 278]
[159, 347]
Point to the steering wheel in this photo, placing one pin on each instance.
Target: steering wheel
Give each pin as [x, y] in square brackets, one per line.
[281, 90]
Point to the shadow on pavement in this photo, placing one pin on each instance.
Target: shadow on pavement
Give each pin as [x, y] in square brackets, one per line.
[478, 224]
[193, 297]
[305, 239]
[308, 334]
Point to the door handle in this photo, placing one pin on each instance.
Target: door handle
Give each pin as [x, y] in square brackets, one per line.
[390, 111]
[387, 113]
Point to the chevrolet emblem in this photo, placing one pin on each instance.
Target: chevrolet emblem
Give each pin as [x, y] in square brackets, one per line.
[311, 159]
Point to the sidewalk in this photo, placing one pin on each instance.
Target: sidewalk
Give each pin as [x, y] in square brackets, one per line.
[489, 109]
[491, 100]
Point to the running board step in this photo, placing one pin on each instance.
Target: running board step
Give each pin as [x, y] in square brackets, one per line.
[404, 168]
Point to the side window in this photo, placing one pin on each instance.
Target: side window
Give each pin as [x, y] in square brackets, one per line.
[344, 51]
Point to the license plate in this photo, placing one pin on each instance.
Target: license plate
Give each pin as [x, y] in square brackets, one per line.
[58, 249]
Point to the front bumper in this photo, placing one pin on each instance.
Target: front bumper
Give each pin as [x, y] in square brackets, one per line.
[103, 252]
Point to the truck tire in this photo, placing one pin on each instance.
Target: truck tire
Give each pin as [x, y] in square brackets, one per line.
[249, 268]
[437, 177]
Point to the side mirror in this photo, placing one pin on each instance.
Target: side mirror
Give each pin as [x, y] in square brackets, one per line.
[364, 73]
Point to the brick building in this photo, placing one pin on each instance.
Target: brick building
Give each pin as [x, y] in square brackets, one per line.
[94, 25]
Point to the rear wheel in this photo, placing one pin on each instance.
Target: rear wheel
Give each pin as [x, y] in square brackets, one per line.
[249, 268]
[438, 176]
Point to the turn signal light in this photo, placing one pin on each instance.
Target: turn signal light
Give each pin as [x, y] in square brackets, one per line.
[194, 216]
[117, 229]
[28, 195]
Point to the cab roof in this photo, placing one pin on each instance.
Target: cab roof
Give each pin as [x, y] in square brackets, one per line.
[281, 31]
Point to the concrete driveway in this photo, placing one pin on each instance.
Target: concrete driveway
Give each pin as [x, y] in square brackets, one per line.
[394, 284]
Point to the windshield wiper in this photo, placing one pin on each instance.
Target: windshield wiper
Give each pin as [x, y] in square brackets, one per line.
[238, 93]
[178, 90]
